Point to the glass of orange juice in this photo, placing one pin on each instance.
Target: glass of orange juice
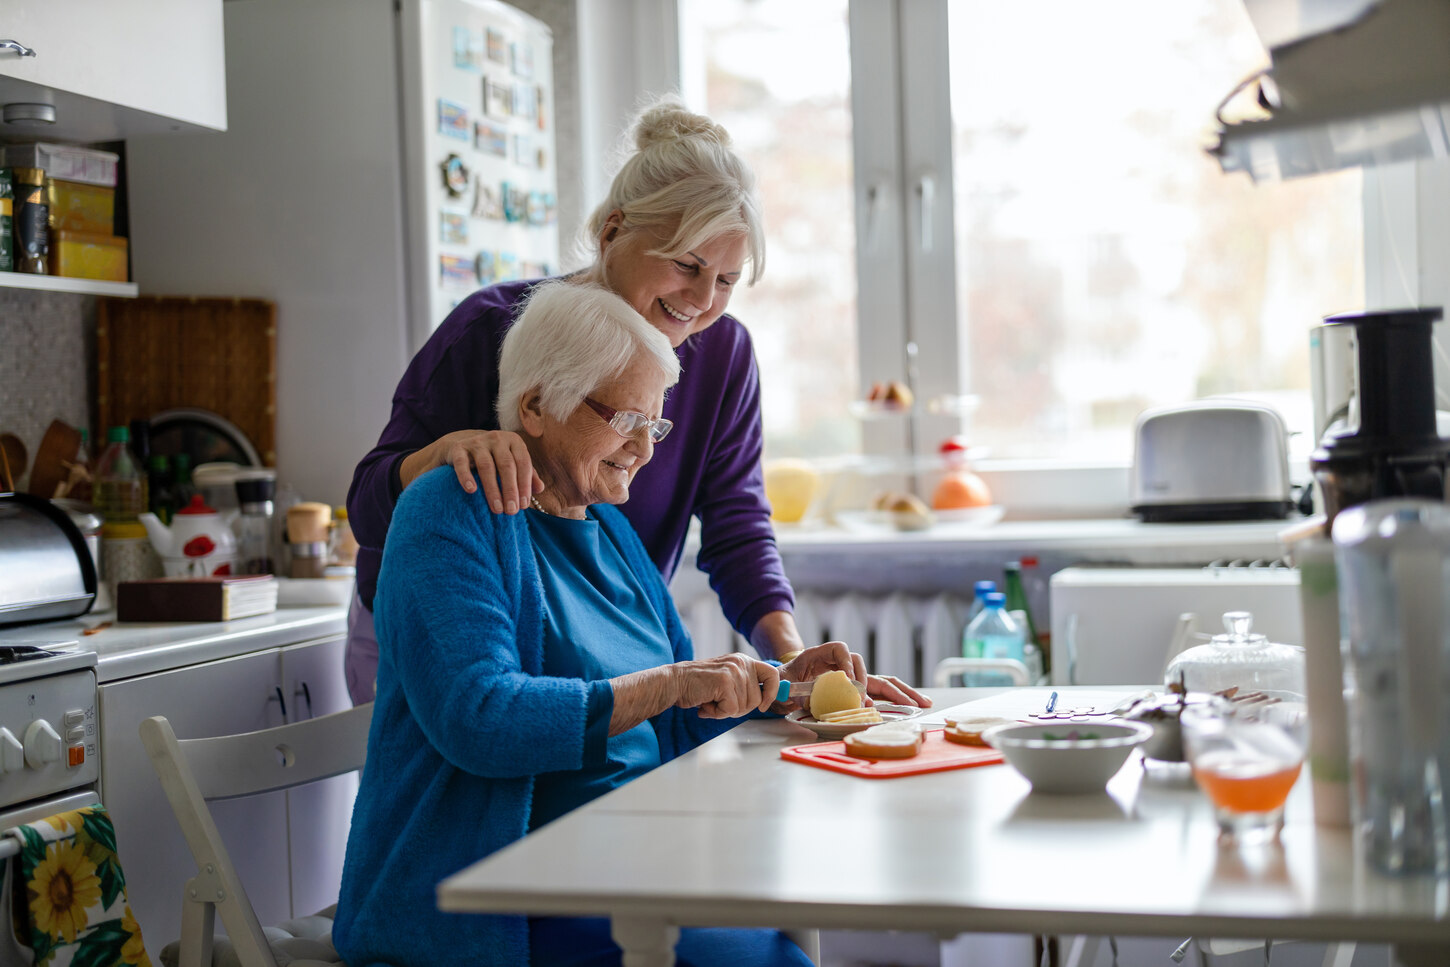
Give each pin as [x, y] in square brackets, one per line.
[1246, 758]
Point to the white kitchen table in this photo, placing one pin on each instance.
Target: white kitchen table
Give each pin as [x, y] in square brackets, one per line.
[733, 835]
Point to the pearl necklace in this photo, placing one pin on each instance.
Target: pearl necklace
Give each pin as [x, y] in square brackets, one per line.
[540, 508]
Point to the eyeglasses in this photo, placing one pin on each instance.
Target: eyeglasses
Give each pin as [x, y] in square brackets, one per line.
[627, 422]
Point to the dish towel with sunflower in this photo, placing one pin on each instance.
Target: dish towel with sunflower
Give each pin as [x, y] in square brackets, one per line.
[70, 894]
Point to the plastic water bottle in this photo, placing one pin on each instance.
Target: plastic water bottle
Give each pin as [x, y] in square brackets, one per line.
[980, 591]
[993, 633]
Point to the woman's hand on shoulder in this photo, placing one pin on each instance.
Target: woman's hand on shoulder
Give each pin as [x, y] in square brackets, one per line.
[726, 687]
[500, 457]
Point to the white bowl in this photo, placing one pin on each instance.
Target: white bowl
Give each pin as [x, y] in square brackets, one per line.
[1068, 757]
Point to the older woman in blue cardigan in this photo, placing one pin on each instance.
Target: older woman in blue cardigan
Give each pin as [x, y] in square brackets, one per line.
[531, 663]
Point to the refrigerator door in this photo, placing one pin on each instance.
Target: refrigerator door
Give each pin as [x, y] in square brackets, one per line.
[478, 119]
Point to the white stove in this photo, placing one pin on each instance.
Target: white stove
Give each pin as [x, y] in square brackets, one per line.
[49, 732]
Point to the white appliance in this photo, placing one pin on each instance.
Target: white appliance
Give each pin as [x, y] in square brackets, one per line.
[329, 194]
[49, 745]
[1119, 626]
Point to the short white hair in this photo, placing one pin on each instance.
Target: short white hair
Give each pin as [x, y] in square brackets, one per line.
[570, 339]
[685, 183]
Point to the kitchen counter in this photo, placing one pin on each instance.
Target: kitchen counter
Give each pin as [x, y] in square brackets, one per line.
[131, 649]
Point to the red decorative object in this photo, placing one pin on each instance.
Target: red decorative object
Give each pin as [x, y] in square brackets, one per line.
[199, 546]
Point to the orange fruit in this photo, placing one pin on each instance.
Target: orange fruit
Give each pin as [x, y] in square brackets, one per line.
[960, 489]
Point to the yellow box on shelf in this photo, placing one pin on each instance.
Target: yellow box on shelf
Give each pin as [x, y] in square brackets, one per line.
[88, 255]
[78, 207]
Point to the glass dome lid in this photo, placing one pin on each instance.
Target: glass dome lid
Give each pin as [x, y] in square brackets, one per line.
[1239, 659]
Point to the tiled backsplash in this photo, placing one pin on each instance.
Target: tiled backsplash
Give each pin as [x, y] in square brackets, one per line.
[47, 363]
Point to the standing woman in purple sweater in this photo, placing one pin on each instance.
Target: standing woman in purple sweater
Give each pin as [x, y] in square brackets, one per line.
[681, 227]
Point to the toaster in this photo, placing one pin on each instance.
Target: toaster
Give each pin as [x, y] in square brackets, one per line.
[1210, 460]
[46, 570]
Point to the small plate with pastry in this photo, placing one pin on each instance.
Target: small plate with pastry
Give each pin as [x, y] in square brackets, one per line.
[838, 725]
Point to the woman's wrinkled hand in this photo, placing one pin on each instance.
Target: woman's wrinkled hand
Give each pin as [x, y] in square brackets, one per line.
[889, 688]
[726, 687]
[499, 456]
[815, 661]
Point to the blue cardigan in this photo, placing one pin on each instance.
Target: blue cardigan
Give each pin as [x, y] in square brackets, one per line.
[463, 721]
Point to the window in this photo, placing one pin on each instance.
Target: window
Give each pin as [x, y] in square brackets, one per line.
[1012, 201]
[778, 76]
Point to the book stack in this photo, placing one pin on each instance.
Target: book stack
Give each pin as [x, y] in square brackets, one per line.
[196, 599]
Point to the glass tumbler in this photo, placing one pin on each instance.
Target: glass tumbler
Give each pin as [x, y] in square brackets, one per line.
[1246, 758]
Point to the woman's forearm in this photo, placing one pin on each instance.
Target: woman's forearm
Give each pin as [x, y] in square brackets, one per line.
[775, 635]
[642, 695]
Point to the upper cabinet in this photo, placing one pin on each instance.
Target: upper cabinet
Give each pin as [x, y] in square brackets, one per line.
[114, 70]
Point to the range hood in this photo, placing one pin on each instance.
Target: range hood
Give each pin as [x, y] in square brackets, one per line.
[1351, 83]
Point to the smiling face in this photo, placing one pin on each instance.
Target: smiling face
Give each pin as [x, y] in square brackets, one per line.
[680, 296]
[582, 460]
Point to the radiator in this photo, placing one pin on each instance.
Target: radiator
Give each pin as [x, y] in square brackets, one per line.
[898, 634]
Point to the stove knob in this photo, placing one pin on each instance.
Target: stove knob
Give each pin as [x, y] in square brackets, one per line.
[42, 745]
[12, 753]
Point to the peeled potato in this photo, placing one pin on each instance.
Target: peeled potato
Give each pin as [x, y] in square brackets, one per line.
[790, 485]
[833, 692]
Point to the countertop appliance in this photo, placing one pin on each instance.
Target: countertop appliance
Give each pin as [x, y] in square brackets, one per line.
[382, 160]
[46, 568]
[1122, 625]
[1389, 443]
[1212, 459]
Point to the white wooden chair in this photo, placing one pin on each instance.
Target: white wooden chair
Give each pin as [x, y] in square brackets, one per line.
[196, 771]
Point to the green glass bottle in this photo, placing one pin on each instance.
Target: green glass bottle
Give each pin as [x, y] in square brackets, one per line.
[1017, 605]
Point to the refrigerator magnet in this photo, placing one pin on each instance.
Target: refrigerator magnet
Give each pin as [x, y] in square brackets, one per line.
[455, 175]
[455, 270]
[515, 203]
[526, 101]
[523, 59]
[467, 49]
[491, 139]
[524, 150]
[452, 228]
[508, 267]
[498, 46]
[497, 99]
[487, 202]
[484, 267]
[452, 119]
[535, 209]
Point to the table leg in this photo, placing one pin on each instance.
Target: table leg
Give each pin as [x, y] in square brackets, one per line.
[646, 942]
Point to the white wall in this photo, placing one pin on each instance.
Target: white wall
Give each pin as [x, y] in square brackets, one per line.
[204, 220]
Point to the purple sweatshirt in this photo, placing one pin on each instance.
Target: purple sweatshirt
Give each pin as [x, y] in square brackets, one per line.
[708, 467]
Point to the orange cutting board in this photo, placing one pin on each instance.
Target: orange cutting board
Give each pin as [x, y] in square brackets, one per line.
[936, 755]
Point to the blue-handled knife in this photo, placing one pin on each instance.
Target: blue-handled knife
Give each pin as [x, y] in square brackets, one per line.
[789, 690]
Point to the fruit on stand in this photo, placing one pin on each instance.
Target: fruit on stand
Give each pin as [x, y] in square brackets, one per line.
[892, 394]
[960, 489]
[790, 486]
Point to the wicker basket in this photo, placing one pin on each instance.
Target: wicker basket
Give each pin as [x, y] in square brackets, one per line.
[160, 353]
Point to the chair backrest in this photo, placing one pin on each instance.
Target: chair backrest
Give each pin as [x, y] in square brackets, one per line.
[195, 771]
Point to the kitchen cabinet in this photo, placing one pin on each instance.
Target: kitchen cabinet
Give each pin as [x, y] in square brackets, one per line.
[115, 70]
[296, 838]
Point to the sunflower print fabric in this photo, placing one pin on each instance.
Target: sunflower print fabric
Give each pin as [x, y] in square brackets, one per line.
[74, 894]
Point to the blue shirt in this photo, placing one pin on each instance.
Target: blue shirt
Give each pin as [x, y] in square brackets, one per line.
[591, 596]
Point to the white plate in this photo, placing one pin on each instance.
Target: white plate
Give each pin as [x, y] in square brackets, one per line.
[828, 730]
[968, 517]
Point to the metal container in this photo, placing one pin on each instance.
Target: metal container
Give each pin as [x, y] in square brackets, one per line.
[46, 570]
[1211, 460]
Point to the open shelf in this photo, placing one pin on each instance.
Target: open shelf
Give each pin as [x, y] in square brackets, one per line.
[59, 283]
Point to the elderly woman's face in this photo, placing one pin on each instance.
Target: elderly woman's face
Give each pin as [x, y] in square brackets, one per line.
[583, 460]
[681, 296]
